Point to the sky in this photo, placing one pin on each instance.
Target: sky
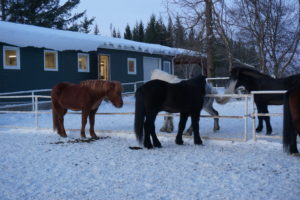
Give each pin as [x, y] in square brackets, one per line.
[119, 13]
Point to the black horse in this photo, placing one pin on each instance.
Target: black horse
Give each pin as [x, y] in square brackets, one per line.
[291, 120]
[253, 80]
[154, 96]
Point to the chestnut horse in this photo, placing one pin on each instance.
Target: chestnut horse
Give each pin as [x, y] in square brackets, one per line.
[87, 97]
[291, 120]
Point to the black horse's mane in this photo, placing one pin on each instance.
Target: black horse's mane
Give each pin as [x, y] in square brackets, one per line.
[251, 70]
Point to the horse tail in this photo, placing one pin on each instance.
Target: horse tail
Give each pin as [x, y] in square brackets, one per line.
[139, 116]
[288, 127]
[54, 118]
[229, 90]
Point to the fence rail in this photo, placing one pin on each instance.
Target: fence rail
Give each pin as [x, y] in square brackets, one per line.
[35, 110]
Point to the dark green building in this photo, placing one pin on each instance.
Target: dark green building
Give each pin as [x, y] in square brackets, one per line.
[38, 58]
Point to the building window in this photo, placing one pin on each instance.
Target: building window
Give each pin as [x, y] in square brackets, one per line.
[167, 66]
[50, 61]
[11, 57]
[131, 65]
[83, 62]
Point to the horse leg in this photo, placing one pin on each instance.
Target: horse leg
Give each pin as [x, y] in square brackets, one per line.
[58, 118]
[148, 126]
[195, 124]
[181, 127]
[168, 124]
[267, 120]
[260, 118]
[156, 142]
[92, 123]
[84, 116]
[209, 109]
[189, 131]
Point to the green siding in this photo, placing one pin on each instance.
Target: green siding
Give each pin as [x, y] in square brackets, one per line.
[32, 75]
[118, 64]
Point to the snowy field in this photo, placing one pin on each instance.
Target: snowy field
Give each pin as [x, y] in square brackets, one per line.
[38, 164]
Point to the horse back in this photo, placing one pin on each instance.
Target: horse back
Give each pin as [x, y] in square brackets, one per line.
[72, 96]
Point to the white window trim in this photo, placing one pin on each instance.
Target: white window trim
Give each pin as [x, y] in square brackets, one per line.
[131, 59]
[17, 49]
[169, 66]
[88, 62]
[56, 61]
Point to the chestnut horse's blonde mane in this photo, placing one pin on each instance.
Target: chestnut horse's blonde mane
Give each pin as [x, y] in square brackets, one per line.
[93, 84]
[96, 84]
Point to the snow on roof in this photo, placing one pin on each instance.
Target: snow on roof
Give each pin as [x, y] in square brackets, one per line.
[23, 35]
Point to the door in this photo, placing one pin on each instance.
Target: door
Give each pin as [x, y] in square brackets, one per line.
[104, 67]
[150, 63]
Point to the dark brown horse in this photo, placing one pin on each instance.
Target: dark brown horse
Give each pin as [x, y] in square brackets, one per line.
[87, 97]
[291, 120]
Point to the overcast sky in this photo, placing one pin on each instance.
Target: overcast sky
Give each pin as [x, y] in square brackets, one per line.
[121, 12]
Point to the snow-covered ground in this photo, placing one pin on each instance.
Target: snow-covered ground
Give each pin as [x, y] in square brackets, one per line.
[38, 164]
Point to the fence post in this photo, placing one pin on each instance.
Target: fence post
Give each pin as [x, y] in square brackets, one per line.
[32, 100]
[253, 118]
[36, 112]
[246, 120]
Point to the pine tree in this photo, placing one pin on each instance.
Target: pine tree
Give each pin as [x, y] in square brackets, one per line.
[179, 33]
[128, 34]
[96, 30]
[135, 32]
[151, 34]
[46, 13]
[141, 32]
[86, 25]
[114, 33]
[118, 34]
[170, 33]
[161, 31]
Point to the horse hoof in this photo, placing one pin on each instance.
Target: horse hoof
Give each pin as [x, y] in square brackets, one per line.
[269, 133]
[296, 154]
[61, 135]
[258, 130]
[148, 146]
[198, 142]
[158, 145]
[179, 142]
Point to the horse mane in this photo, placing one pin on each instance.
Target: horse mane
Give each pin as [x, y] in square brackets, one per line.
[164, 76]
[251, 72]
[93, 84]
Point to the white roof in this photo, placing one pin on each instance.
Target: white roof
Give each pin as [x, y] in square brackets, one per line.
[23, 35]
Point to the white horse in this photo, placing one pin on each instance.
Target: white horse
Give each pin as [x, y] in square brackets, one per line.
[207, 105]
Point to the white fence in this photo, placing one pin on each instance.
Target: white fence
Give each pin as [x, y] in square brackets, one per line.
[35, 110]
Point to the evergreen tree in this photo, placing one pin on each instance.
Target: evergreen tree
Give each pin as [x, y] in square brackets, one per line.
[118, 34]
[151, 34]
[86, 25]
[161, 31]
[169, 33]
[114, 33]
[46, 13]
[141, 32]
[96, 30]
[135, 32]
[128, 34]
[179, 33]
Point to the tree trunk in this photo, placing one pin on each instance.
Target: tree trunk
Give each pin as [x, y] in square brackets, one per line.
[209, 38]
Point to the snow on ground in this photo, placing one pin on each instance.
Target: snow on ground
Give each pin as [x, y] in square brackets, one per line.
[38, 164]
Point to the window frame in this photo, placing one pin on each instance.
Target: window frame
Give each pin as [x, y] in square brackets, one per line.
[170, 69]
[135, 68]
[87, 62]
[17, 49]
[56, 60]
